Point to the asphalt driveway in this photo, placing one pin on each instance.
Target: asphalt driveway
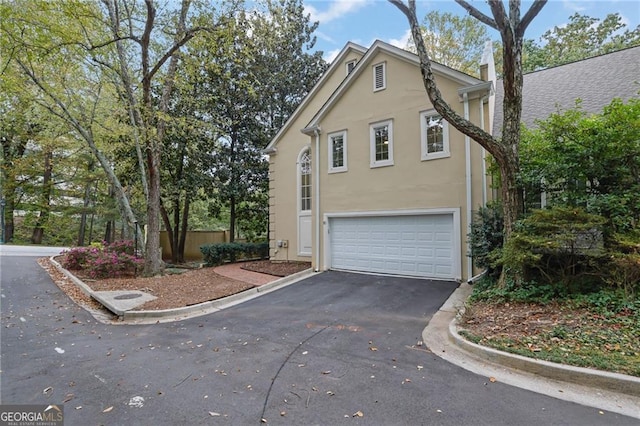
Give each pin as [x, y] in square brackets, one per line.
[336, 348]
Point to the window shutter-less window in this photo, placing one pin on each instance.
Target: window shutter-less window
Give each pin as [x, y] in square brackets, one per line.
[379, 82]
[350, 66]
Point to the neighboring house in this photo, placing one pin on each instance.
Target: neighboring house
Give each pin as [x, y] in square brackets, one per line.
[594, 81]
[365, 175]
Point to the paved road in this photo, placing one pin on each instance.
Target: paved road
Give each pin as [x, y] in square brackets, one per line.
[316, 352]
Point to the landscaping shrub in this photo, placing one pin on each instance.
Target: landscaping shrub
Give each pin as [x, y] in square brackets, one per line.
[103, 260]
[76, 258]
[486, 289]
[559, 246]
[624, 274]
[486, 236]
[217, 254]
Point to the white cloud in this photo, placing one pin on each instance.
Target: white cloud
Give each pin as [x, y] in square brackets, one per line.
[402, 41]
[331, 55]
[337, 9]
[574, 6]
[325, 37]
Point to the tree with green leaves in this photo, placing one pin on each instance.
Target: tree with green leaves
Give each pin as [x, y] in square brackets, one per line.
[452, 40]
[505, 150]
[249, 77]
[50, 65]
[18, 124]
[592, 161]
[583, 37]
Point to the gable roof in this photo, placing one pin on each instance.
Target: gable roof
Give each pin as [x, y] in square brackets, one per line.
[337, 63]
[377, 47]
[596, 81]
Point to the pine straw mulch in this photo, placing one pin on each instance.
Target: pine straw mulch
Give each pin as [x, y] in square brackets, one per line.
[172, 290]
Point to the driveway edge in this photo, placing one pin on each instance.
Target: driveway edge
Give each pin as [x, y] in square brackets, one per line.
[178, 314]
[613, 392]
[146, 317]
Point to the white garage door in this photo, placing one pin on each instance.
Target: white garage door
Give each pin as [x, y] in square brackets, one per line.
[421, 245]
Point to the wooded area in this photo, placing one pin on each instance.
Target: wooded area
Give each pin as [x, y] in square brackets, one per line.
[122, 117]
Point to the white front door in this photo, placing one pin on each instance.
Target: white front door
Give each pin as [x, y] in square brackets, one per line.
[304, 203]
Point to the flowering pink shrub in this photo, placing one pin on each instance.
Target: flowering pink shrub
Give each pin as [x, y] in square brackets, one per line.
[109, 261]
[75, 258]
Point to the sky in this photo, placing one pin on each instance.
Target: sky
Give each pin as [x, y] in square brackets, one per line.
[364, 21]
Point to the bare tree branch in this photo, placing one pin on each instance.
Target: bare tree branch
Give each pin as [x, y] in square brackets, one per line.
[533, 11]
[477, 14]
[457, 121]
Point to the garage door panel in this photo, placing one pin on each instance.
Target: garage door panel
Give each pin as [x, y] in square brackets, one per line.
[420, 245]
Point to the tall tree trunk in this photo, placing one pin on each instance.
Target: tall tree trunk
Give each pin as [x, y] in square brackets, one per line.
[45, 200]
[184, 228]
[153, 259]
[83, 216]
[232, 219]
[109, 231]
[85, 207]
[167, 226]
[9, 223]
[12, 149]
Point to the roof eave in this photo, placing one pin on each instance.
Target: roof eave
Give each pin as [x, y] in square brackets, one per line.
[338, 60]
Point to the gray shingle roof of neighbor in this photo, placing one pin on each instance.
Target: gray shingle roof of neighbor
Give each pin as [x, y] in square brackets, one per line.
[596, 81]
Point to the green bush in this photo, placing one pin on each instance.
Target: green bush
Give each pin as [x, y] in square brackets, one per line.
[217, 254]
[559, 246]
[486, 236]
[624, 273]
[487, 289]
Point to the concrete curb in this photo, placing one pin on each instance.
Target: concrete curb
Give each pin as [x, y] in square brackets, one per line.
[140, 317]
[615, 382]
[612, 392]
[178, 314]
[85, 288]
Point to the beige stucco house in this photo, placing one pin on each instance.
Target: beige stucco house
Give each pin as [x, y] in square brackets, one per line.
[366, 176]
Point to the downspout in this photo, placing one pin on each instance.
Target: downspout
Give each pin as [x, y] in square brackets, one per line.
[467, 151]
[316, 179]
[484, 153]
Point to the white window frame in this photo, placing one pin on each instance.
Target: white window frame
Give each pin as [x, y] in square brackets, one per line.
[372, 143]
[301, 155]
[423, 137]
[330, 138]
[383, 66]
[351, 64]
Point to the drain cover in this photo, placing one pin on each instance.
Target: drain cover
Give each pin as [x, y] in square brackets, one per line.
[128, 296]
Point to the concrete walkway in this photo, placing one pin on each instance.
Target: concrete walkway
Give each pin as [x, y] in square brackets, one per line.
[235, 271]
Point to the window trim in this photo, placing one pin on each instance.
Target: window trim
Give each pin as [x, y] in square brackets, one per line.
[305, 150]
[372, 143]
[425, 155]
[351, 63]
[384, 76]
[330, 137]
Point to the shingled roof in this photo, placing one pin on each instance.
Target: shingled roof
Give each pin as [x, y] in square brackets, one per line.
[596, 81]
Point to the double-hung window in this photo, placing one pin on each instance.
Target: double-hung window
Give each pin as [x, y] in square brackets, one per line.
[434, 136]
[381, 143]
[337, 143]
